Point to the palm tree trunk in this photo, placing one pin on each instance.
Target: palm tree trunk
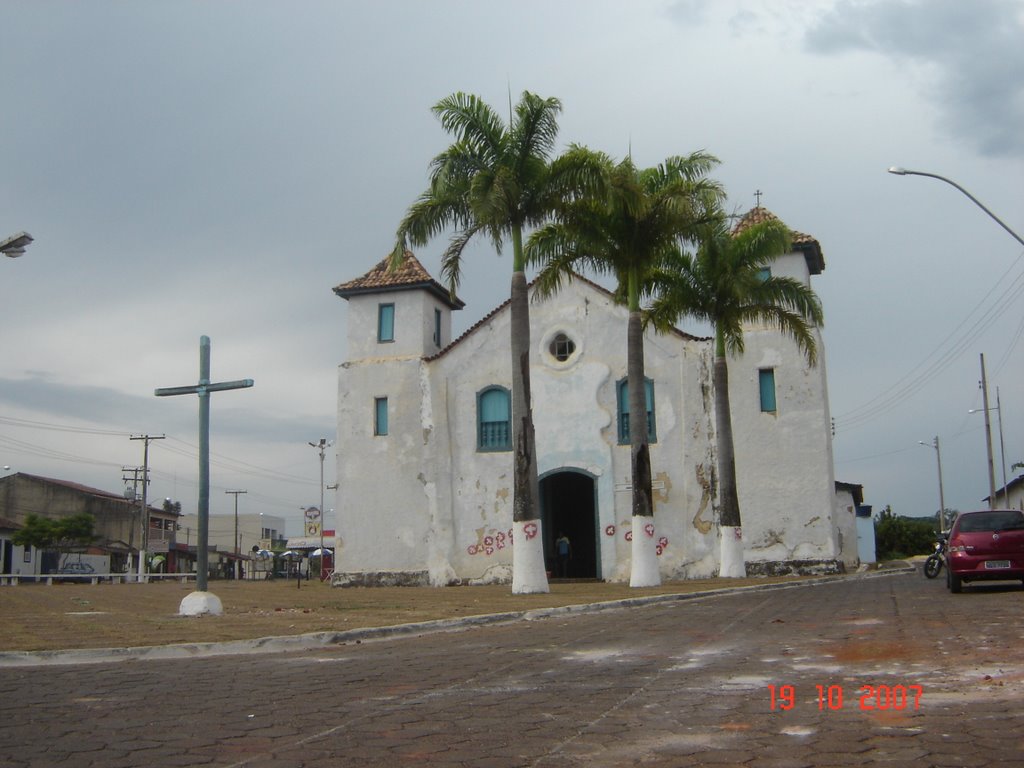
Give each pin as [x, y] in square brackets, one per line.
[730, 531]
[644, 561]
[529, 575]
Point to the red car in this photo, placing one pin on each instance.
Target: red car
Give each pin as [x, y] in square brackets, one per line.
[987, 546]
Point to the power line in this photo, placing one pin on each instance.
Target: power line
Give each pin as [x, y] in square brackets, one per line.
[911, 382]
[59, 427]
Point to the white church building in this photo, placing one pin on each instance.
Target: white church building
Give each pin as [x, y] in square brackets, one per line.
[424, 439]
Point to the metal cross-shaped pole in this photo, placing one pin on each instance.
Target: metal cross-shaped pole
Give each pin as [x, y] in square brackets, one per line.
[203, 389]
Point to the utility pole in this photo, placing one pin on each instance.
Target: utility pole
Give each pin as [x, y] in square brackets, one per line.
[322, 446]
[238, 562]
[1002, 447]
[143, 543]
[134, 480]
[942, 496]
[988, 438]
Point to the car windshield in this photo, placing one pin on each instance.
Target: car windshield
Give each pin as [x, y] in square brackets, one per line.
[1010, 520]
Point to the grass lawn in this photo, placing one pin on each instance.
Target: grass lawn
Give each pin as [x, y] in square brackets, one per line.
[37, 617]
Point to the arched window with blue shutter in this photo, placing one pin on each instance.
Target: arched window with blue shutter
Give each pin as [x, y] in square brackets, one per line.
[494, 419]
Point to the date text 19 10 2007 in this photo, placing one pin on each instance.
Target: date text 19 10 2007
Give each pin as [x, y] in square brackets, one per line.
[869, 697]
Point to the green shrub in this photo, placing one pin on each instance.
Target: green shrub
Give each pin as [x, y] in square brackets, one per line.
[898, 537]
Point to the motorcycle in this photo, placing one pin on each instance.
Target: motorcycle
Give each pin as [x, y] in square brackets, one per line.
[933, 565]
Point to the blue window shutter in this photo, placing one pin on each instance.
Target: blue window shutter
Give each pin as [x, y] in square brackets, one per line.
[386, 322]
[380, 416]
[766, 379]
[494, 420]
[623, 407]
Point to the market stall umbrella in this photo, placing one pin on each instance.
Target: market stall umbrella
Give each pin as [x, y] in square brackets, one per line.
[320, 552]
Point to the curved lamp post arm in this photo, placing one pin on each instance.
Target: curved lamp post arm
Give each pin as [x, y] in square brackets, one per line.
[904, 172]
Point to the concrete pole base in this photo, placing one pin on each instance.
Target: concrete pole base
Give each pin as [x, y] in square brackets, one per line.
[199, 603]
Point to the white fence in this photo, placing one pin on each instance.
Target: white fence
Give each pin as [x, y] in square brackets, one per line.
[8, 579]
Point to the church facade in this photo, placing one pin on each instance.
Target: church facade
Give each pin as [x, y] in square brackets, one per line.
[424, 439]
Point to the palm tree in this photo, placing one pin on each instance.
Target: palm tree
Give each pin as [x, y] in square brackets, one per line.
[498, 180]
[627, 232]
[726, 284]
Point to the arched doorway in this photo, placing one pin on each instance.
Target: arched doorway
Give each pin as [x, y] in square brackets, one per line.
[568, 500]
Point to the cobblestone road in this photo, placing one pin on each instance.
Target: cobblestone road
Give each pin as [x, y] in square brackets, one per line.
[889, 671]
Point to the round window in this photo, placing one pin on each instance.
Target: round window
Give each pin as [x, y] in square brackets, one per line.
[562, 347]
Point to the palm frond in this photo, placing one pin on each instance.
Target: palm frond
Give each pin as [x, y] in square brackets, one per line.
[535, 126]
[472, 121]
[451, 259]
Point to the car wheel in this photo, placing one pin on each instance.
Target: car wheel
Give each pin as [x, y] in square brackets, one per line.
[955, 583]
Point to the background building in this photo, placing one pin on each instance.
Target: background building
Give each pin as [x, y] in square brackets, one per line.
[118, 520]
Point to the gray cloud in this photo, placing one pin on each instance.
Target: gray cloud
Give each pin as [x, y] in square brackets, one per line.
[973, 54]
[118, 411]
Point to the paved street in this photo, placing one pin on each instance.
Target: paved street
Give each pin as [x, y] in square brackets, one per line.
[887, 670]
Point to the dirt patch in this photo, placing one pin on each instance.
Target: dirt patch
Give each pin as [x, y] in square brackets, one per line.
[866, 649]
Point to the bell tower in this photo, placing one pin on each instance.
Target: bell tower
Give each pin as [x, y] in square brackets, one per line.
[400, 313]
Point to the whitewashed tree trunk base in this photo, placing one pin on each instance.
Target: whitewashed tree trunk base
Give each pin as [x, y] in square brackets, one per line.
[529, 575]
[644, 566]
[733, 565]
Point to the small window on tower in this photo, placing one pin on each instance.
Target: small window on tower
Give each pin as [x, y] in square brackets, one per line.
[385, 322]
[766, 381]
[380, 416]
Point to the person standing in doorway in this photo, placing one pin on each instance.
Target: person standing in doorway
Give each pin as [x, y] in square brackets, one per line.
[563, 551]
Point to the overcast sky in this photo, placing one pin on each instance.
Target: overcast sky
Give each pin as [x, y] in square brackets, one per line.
[192, 168]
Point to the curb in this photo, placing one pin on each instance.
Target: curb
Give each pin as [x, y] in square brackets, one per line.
[319, 640]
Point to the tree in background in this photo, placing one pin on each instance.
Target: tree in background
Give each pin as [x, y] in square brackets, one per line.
[63, 535]
[898, 537]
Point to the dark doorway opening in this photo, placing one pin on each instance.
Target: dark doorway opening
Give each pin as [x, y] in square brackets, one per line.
[569, 506]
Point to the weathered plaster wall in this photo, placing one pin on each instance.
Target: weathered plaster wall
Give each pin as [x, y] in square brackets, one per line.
[846, 529]
[784, 459]
[575, 413]
[414, 324]
[424, 503]
[382, 520]
[685, 509]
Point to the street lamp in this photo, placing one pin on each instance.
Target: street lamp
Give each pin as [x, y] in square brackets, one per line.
[322, 446]
[1002, 446]
[904, 172]
[15, 245]
[942, 499]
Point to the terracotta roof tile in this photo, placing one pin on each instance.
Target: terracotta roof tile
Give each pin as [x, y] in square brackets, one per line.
[410, 274]
[804, 243]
